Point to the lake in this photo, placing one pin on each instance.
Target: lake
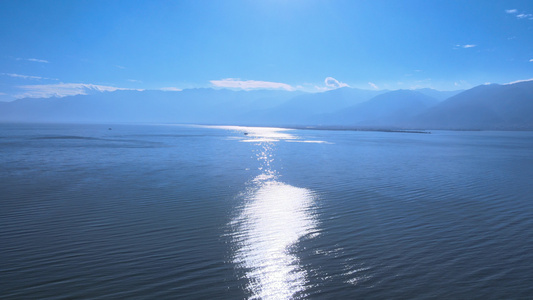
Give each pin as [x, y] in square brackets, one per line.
[207, 212]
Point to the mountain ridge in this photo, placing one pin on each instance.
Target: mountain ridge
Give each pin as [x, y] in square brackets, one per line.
[506, 107]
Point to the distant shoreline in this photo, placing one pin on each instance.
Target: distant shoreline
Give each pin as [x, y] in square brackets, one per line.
[295, 127]
[338, 128]
[327, 128]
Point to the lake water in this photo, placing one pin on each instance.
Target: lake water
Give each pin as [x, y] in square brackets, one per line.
[184, 212]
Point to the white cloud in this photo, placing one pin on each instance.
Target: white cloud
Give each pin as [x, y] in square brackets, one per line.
[333, 83]
[134, 80]
[522, 16]
[38, 60]
[465, 46]
[250, 84]
[27, 76]
[373, 85]
[120, 67]
[170, 89]
[34, 60]
[531, 60]
[62, 90]
[461, 83]
[519, 16]
[518, 81]
[330, 84]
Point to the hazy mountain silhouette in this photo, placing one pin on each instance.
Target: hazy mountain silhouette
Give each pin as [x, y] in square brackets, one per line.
[494, 106]
[385, 110]
[439, 95]
[188, 106]
[300, 110]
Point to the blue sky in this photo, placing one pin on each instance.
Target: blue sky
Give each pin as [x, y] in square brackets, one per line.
[66, 47]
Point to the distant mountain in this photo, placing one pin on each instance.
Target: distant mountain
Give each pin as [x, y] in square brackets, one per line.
[187, 106]
[391, 109]
[506, 107]
[494, 106]
[439, 95]
[300, 110]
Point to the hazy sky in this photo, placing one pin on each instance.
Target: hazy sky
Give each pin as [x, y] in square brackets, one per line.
[61, 47]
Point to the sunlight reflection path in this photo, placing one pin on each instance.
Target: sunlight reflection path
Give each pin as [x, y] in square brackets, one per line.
[274, 218]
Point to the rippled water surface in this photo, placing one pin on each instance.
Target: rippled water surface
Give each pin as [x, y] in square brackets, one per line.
[190, 212]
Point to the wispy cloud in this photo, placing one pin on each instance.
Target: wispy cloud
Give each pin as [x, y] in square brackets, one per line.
[523, 16]
[250, 84]
[373, 85]
[466, 46]
[34, 60]
[518, 81]
[134, 80]
[461, 83]
[330, 84]
[27, 76]
[38, 60]
[333, 83]
[120, 67]
[62, 90]
[170, 89]
[531, 60]
[519, 15]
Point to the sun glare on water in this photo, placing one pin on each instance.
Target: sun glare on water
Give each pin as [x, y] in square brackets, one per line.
[273, 219]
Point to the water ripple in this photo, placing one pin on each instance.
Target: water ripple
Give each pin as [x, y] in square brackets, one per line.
[274, 218]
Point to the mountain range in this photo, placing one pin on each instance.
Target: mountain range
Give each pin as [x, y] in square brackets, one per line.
[485, 107]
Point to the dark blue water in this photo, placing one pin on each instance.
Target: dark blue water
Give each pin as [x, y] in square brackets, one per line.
[175, 212]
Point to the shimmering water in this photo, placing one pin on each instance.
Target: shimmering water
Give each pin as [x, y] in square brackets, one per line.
[182, 212]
